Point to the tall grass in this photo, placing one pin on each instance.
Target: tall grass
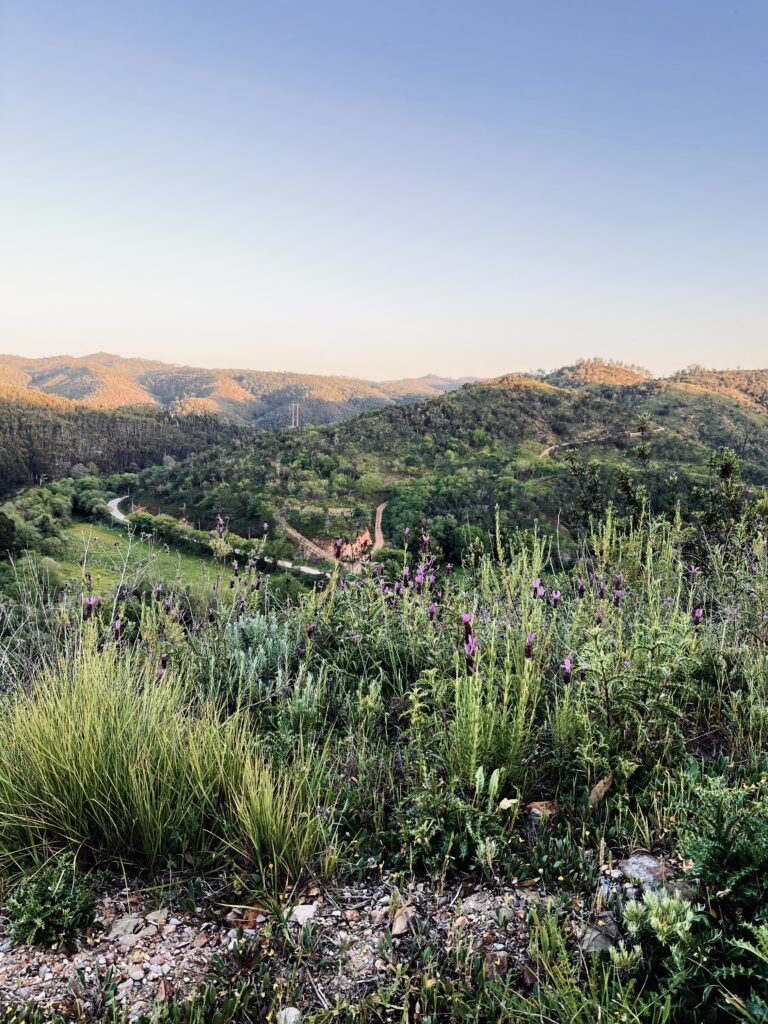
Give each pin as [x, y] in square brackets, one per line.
[99, 755]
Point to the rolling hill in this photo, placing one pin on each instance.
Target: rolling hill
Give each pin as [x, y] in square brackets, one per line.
[104, 381]
[540, 450]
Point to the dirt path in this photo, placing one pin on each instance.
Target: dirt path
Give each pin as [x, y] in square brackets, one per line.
[378, 534]
[591, 440]
[309, 545]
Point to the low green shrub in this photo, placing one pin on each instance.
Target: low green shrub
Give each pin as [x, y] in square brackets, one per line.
[54, 905]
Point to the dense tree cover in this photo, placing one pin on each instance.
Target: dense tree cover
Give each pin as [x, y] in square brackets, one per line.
[40, 441]
[539, 452]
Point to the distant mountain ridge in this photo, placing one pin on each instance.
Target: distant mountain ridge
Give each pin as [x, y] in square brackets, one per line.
[263, 399]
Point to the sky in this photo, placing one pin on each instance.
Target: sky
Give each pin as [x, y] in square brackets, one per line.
[385, 189]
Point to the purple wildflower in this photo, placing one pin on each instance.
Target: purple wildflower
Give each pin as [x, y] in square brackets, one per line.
[338, 544]
[601, 591]
[265, 526]
[580, 588]
[311, 627]
[116, 627]
[159, 592]
[697, 616]
[164, 659]
[530, 640]
[567, 668]
[617, 598]
[425, 540]
[431, 611]
[90, 603]
[599, 617]
[693, 572]
[449, 567]
[466, 618]
[470, 650]
[555, 598]
[617, 579]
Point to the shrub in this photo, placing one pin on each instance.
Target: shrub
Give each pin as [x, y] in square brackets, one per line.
[728, 842]
[54, 905]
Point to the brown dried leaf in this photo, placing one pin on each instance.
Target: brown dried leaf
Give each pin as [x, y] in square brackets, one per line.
[597, 794]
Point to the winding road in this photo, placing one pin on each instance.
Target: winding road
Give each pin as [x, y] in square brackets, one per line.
[114, 509]
[283, 563]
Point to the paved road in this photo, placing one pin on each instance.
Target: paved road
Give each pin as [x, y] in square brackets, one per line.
[115, 511]
[282, 563]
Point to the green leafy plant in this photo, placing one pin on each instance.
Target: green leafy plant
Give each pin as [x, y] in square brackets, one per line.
[54, 905]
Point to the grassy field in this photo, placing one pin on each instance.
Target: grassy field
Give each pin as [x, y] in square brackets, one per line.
[110, 555]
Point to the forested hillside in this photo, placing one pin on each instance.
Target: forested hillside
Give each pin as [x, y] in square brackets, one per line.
[47, 437]
[540, 452]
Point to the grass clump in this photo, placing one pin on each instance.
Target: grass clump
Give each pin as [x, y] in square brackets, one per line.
[99, 756]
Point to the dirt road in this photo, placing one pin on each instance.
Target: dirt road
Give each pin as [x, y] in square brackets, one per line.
[378, 534]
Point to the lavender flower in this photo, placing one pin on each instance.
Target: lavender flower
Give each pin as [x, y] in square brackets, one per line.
[466, 618]
[425, 540]
[567, 668]
[338, 544]
[697, 616]
[555, 598]
[159, 592]
[164, 660]
[311, 627]
[580, 588]
[693, 572]
[90, 603]
[431, 611]
[599, 617]
[265, 526]
[617, 598]
[116, 627]
[530, 639]
[617, 581]
[470, 650]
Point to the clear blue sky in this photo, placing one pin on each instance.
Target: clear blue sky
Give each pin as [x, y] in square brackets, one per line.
[383, 189]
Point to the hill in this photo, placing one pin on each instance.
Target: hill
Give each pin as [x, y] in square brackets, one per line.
[46, 437]
[539, 451]
[105, 381]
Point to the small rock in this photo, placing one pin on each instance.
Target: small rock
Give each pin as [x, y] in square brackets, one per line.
[351, 915]
[405, 919]
[303, 912]
[603, 934]
[124, 926]
[290, 1015]
[136, 973]
[158, 916]
[642, 868]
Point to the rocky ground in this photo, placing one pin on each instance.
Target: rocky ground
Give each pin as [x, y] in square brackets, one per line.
[339, 943]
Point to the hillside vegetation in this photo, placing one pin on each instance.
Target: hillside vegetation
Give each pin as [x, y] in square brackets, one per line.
[545, 453]
[514, 793]
[104, 381]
